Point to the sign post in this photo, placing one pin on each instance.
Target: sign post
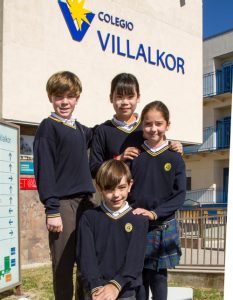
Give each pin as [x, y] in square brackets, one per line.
[9, 207]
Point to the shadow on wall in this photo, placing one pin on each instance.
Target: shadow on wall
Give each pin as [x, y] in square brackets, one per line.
[182, 3]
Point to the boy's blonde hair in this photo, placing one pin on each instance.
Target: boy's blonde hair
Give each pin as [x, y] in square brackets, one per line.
[63, 82]
[110, 174]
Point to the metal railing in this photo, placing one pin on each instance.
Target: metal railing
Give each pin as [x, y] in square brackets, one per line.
[203, 237]
[209, 141]
[209, 84]
[207, 195]
[214, 137]
[219, 82]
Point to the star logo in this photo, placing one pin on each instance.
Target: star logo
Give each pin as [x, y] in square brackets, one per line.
[78, 18]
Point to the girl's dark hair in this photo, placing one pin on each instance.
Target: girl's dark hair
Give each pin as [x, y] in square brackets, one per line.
[157, 105]
[110, 174]
[124, 84]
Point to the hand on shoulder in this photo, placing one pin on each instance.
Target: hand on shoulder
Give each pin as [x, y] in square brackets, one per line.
[176, 146]
[129, 153]
[144, 212]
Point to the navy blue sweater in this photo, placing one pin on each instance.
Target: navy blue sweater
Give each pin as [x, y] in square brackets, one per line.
[61, 162]
[111, 249]
[159, 182]
[110, 141]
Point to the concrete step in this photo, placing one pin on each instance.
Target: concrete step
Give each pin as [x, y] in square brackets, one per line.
[179, 293]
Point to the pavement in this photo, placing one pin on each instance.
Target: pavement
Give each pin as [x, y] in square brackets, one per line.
[179, 293]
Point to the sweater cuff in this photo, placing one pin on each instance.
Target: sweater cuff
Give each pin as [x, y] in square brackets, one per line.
[50, 216]
[95, 284]
[116, 284]
[52, 206]
[154, 214]
[95, 289]
[120, 281]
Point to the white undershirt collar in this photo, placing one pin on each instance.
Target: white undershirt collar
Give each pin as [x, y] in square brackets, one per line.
[124, 125]
[154, 150]
[118, 212]
[70, 121]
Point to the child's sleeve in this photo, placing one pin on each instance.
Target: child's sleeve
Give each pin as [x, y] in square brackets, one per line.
[134, 262]
[44, 167]
[97, 152]
[176, 200]
[86, 256]
[88, 132]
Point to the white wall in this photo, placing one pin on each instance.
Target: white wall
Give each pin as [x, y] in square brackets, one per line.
[216, 110]
[217, 47]
[207, 171]
[37, 43]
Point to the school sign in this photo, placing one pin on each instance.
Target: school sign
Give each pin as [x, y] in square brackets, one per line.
[159, 42]
[74, 11]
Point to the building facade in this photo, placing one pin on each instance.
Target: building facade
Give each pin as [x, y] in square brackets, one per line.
[208, 163]
[39, 38]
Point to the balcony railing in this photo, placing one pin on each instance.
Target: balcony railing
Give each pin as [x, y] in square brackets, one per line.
[219, 82]
[202, 196]
[206, 196]
[203, 237]
[214, 138]
[209, 84]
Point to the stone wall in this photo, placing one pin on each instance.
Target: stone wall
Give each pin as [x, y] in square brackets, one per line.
[197, 278]
[33, 232]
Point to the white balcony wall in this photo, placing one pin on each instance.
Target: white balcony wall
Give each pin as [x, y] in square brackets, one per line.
[216, 110]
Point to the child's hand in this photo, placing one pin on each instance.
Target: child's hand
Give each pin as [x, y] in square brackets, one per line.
[129, 153]
[108, 292]
[97, 293]
[54, 224]
[144, 212]
[176, 146]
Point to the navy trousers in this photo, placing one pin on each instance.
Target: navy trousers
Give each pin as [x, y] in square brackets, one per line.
[156, 281]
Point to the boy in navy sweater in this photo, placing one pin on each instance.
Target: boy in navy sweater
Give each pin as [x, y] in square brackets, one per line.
[111, 239]
[120, 137]
[63, 176]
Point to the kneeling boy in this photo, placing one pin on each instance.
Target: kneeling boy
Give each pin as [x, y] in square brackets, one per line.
[111, 239]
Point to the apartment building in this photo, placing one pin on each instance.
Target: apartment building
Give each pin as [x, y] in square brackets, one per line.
[208, 163]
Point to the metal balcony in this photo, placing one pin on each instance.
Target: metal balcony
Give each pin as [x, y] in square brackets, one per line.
[205, 196]
[219, 82]
[214, 138]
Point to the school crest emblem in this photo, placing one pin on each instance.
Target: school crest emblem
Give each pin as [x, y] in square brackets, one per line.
[167, 167]
[128, 227]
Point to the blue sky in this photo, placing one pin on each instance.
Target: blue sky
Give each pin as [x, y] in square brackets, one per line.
[217, 16]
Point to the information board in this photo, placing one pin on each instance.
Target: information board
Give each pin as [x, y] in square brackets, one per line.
[27, 167]
[28, 183]
[9, 209]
